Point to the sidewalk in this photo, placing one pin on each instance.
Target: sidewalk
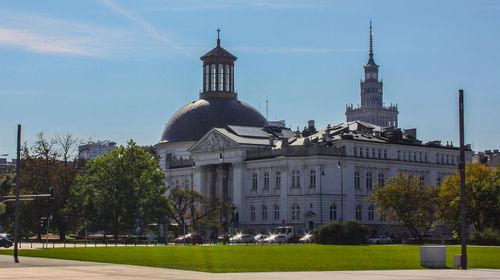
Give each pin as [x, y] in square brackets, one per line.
[40, 268]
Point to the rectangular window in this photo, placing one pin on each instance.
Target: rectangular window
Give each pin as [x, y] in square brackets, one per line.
[207, 78]
[213, 77]
[232, 78]
[278, 180]
[220, 74]
[227, 79]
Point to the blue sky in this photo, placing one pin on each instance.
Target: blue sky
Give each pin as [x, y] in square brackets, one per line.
[118, 70]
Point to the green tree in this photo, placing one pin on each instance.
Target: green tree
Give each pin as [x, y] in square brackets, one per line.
[183, 204]
[482, 186]
[408, 200]
[119, 191]
[7, 186]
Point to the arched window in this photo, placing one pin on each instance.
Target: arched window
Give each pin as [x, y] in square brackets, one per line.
[360, 152]
[369, 181]
[278, 180]
[266, 181]
[252, 213]
[264, 212]
[254, 181]
[295, 212]
[333, 211]
[312, 179]
[381, 179]
[385, 154]
[276, 212]
[295, 179]
[355, 152]
[358, 212]
[356, 180]
[373, 153]
[370, 213]
[379, 153]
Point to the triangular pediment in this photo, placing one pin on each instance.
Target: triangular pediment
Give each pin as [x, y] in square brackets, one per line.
[214, 140]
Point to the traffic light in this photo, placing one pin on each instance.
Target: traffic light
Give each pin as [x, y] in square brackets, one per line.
[51, 192]
[43, 222]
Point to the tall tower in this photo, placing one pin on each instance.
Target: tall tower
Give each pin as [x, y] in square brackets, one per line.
[372, 108]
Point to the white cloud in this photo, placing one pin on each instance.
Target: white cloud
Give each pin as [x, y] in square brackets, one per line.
[197, 5]
[152, 31]
[40, 43]
[41, 34]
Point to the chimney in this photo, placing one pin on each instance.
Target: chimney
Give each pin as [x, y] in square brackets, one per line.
[412, 132]
[310, 126]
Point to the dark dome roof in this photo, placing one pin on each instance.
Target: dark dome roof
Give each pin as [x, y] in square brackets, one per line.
[195, 119]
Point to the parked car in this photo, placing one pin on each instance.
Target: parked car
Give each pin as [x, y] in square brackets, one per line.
[306, 238]
[380, 239]
[7, 235]
[242, 238]
[188, 239]
[5, 242]
[259, 238]
[277, 238]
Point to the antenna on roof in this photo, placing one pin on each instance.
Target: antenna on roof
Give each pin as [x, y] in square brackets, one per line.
[267, 110]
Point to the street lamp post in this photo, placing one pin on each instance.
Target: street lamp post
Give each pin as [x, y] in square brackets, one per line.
[16, 215]
[322, 173]
[341, 166]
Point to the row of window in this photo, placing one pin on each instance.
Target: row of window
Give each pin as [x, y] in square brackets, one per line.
[371, 213]
[264, 212]
[403, 155]
[365, 152]
[182, 182]
[218, 77]
[295, 214]
[369, 180]
[277, 181]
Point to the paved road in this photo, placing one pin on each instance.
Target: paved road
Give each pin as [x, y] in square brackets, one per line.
[40, 268]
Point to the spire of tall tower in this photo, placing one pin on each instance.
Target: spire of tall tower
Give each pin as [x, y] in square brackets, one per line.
[370, 53]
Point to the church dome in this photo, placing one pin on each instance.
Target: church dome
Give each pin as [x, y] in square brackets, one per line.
[218, 105]
[195, 119]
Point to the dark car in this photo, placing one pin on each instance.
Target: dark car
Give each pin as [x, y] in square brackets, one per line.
[5, 242]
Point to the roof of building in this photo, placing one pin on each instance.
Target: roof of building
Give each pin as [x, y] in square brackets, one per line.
[195, 119]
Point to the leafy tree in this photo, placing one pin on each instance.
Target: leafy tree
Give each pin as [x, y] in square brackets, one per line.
[482, 187]
[407, 199]
[48, 163]
[7, 185]
[119, 191]
[185, 204]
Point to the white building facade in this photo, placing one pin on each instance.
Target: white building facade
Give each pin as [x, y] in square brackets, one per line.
[271, 176]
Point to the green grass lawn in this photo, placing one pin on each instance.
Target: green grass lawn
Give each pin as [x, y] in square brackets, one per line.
[267, 258]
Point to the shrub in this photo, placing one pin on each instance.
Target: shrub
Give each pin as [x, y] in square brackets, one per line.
[351, 233]
[487, 236]
[354, 233]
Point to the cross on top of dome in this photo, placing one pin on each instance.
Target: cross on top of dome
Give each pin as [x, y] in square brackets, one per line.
[218, 52]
